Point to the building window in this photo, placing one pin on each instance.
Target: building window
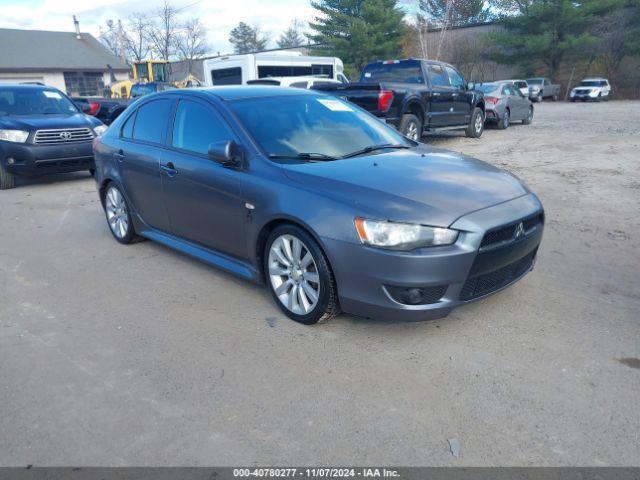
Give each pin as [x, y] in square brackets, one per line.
[84, 84]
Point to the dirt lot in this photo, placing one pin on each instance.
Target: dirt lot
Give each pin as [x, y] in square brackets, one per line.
[114, 355]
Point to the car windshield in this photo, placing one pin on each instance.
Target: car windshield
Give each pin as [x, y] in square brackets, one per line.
[291, 125]
[33, 101]
[589, 83]
[408, 71]
[534, 81]
[486, 88]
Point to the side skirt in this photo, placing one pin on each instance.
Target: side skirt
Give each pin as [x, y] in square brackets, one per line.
[212, 257]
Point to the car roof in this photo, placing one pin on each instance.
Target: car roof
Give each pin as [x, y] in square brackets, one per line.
[237, 92]
[27, 86]
[512, 81]
[593, 78]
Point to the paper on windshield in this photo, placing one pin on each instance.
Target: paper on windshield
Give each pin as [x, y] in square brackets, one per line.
[335, 105]
[50, 94]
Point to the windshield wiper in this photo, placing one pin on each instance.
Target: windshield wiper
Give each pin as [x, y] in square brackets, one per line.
[373, 148]
[321, 157]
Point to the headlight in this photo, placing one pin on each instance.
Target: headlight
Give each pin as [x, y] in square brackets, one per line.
[402, 236]
[17, 136]
[100, 129]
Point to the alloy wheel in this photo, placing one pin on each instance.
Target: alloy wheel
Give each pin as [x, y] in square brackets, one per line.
[412, 132]
[117, 214]
[293, 274]
[479, 123]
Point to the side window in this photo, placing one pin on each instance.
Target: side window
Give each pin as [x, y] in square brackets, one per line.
[437, 76]
[227, 76]
[455, 78]
[196, 126]
[151, 121]
[546, 82]
[127, 128]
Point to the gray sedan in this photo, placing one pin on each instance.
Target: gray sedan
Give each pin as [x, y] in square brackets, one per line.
[505, 103]
[318, 199]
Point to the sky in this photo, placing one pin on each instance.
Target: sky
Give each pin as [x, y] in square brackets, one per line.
[219, 16]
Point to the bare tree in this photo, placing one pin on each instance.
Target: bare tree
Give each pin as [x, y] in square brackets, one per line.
[162, 32]
[136, 40]
[111, 37]
[191, 41]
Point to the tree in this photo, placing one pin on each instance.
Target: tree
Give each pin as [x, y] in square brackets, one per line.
[455, 13]
[136, 41]
[191, 41]
[358, 31]
[162, 32]
[547, 33]
[112, 38]
[292, 37]
[246, 39]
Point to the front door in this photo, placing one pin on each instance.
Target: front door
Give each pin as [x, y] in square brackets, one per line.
[138, 153]
[202, 197]
[461, 100]
[441, 101]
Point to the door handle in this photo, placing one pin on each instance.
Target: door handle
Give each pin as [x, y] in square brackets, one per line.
[119, 155]
[454, 95]
[169, 168]
[436, 94]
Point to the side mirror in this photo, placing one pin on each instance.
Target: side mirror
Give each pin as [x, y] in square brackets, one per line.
[228, 153]
[471, 86]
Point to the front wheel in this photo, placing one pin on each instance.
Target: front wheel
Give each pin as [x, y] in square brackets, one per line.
[7, 179]
[555, 97]
[411, 127]
[299, 276]
[476, 124]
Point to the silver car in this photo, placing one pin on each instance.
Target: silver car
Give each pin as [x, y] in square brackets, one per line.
[505, 103]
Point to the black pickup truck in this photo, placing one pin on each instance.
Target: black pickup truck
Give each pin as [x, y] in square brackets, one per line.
[104, 109]
[416, 96]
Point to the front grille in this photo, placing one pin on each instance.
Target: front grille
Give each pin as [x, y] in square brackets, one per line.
[63, 135]
[489, 282]
[508, 232]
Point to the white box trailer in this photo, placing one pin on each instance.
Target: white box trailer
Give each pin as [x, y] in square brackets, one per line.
[239, 69]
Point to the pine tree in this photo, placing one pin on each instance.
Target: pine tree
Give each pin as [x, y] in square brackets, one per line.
[454, 13]
[358, 31]
[246, 39]
[547, 33]
[292, 37]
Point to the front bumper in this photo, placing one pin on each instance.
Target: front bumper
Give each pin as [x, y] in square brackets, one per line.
[31, 160]
[462, 272]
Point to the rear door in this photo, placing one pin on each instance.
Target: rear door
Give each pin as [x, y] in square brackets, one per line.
[139, 152]
[202, 197]
[441, 100]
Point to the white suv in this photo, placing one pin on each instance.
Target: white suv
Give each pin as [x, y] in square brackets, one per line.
[591, 89]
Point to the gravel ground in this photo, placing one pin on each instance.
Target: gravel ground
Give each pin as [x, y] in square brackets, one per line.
[114, 355]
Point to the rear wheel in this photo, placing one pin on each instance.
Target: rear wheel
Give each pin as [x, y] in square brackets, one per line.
[119, 216]
[476, 124]
[505, 121]
[299, 276]
[411, 127]
[529, 118]
[7, 179]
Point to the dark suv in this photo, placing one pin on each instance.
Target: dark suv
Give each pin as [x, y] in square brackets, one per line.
[42, 131]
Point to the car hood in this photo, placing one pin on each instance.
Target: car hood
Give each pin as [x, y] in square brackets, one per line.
[423, 185]
[37, 122]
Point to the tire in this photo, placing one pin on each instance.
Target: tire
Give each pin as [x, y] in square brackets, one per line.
[475, 127]
[411, 127]
[92, 172]
[7, 179]
[539, 99]
[115, 209]
[529, 118]
[555, 97]
[505, 121]
[294, 285]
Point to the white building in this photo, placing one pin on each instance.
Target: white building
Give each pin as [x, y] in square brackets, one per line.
[77, 64]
